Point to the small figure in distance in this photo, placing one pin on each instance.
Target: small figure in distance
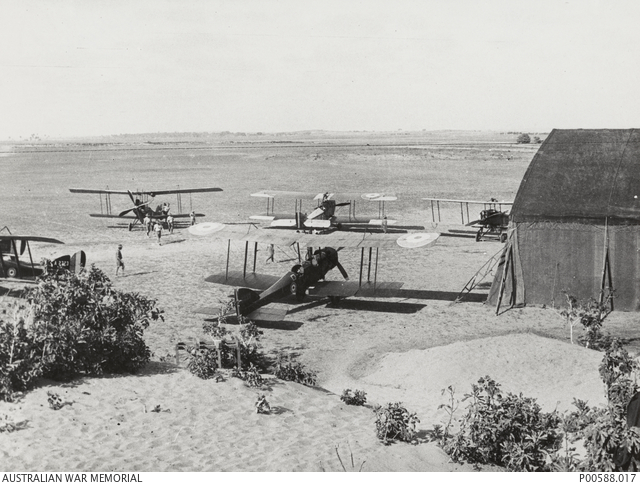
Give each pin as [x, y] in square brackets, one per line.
[385, 224]
[147, 223]
[192, 215]
[158, 230]
[119, 260]
[270, 253]
[170, 223]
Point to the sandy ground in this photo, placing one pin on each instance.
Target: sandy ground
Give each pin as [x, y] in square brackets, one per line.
[406, 349]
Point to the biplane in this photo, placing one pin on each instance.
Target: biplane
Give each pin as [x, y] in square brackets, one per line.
[255, 291]
[142, 201]
[493, 220]
[323, 217]
[12, 247]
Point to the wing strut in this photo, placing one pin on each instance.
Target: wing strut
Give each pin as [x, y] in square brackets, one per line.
[246, 250]
[255, 255]
[15, 253]
[226, 275]
[375, 270]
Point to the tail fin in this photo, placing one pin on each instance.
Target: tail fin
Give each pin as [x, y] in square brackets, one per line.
[244, 297]
[78, 262]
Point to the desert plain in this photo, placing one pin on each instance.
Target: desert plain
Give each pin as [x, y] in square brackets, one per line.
[402, 349]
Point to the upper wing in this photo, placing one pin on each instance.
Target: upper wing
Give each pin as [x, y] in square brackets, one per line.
[463, 201]
[30, 238]
[178, 191]
[146, 192]
[344, 239]
[98, 191]
[374, 196]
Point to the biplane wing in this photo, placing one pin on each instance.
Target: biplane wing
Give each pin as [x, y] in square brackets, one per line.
[13, 237]
[155, 216]
[261, 314]
[464, 201]
[237, 278]
[464, 204]
[373, 196]
[250, 233]
[353, 288]
[146, 192]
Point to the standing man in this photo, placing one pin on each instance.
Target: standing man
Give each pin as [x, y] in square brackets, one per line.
[119, 260]
[170, 223]
[147, 223]
[158, 230]
[385, 224]
[192, 215]
[270, 254]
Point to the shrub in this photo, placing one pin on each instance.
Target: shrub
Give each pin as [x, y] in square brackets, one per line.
[354, 398]
[262, 406]
[611, 445]
[247, 337]
[74, 324]
[591, 315]
[203, 362]
[505, 430]
[294, 371]
[251, 376]
[394, 422]
[20, 364]
[524, 138]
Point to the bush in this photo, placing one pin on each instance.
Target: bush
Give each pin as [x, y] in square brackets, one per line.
[354, 398]
[295, 372]
[611, 445]
[394, 422]
[203, 362]
[505, 430]
[524, 138]
[74, 324]
[251, 376]
[591, 315]
[247, 337]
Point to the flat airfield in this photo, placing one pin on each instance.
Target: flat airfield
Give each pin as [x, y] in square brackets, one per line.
[405, 348]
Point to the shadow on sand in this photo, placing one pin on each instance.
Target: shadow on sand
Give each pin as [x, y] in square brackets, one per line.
[377, 306]
[440, 295]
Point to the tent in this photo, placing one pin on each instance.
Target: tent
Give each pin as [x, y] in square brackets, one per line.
[575, 223]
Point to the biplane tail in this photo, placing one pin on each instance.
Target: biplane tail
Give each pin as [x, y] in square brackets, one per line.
[244, 298]
[74, 263]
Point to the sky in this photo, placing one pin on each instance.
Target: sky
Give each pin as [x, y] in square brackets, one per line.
[94, 67]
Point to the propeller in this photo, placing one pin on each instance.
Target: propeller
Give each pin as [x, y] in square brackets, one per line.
[141, 204]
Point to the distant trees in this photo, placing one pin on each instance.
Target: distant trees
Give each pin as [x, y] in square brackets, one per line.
[524, 138]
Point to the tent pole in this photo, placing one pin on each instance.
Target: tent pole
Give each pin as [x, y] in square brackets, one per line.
[606, 268]
[503, 280]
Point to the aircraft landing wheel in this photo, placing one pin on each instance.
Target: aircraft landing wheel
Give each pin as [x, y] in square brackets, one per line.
[479, 236]
[503, 237]
[12, 273]
[130, 226]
